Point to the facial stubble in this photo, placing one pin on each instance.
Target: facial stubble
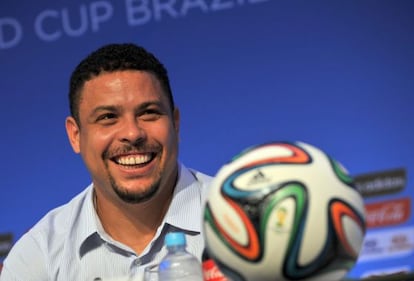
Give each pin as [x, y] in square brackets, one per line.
[135, 197]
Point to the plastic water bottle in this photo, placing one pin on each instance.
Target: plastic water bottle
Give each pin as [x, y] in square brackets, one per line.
[178, 264]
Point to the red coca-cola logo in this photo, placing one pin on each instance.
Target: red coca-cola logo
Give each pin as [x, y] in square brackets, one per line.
[211, 271]
[387, 213]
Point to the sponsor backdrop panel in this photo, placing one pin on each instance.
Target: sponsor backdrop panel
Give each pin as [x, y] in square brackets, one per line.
[388, 248]
[336, 74]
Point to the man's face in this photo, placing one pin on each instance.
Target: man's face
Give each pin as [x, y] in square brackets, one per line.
[127, 136]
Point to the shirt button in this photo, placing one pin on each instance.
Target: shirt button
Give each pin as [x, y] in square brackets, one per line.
[137, 262]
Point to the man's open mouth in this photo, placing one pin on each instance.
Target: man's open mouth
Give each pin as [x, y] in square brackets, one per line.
[133, 160]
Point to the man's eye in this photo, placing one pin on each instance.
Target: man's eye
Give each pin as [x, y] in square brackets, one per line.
[107, 116]
[151, 114]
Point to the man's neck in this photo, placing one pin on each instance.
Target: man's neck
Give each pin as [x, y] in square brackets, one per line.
[134, 225]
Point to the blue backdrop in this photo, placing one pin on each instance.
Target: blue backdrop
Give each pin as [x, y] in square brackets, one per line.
[335, 74]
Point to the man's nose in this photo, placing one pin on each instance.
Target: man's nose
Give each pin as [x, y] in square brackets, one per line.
[132, 131]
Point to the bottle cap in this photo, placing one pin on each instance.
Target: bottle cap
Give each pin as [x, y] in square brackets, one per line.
[175, 239]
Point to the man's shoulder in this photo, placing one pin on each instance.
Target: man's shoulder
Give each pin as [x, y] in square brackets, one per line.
[204, 181]
[60, 219]
[39, 245]
[200, 176]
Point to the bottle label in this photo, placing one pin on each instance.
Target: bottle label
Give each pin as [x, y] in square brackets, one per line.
[211, 272]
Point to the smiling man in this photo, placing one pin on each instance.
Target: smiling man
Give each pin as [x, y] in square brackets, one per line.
[125, 125]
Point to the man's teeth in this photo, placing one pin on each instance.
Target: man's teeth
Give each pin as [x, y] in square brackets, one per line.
[133, 160]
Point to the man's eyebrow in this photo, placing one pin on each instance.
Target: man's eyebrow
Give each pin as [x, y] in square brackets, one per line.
[156, 104]
[113, 108]
[150, 103]
[103, 108]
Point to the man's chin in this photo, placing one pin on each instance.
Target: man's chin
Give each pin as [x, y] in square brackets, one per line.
[136, 197]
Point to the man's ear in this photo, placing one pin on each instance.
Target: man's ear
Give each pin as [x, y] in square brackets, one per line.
[176, 116]
[72, 129]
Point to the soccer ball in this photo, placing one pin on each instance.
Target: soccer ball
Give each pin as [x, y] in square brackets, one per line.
[283, 211]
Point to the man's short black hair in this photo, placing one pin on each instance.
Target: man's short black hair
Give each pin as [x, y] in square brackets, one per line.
[110, 58]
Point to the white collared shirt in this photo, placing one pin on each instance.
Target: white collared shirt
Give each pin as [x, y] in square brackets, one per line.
[70, 244]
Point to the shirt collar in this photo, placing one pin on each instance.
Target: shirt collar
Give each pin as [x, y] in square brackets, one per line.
[88, 222]
[185, 208]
